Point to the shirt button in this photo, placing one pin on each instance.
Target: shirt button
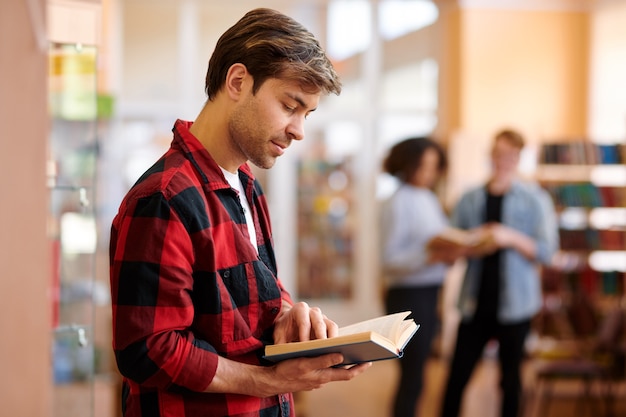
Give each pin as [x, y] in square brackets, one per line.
[275, 310]
[226, 274]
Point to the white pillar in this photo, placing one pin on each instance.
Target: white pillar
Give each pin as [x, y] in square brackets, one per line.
[366, 275]
[188, 50]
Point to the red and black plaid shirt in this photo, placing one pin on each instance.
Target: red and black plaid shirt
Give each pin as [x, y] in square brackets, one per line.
[187, 285]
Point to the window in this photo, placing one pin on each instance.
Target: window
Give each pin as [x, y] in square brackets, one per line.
[350, 22]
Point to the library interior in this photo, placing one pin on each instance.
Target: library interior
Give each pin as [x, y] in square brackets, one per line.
[93, 88]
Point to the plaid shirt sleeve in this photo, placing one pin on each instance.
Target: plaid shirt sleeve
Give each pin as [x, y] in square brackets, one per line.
[153, 311]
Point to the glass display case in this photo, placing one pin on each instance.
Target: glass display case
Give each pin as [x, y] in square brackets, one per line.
[73, 150]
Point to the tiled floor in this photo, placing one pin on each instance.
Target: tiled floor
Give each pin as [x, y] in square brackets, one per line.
[369, 395]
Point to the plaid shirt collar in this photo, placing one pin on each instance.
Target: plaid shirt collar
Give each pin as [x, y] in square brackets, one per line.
[210, 171]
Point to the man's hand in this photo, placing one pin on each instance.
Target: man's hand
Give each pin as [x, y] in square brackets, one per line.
[305, 374]
[301, 322]
[294, 323]
[486, 244]
[498, 236]
[302, 374]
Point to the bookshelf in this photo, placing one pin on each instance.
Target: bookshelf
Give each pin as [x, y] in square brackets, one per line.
[587, 183]
[325, 229]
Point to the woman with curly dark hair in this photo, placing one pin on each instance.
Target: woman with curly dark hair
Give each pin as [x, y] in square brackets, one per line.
[413, 275]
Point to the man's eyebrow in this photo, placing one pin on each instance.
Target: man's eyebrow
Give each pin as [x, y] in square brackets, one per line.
[299, 100]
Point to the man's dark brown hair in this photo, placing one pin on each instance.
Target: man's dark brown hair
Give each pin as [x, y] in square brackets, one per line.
[272, 45]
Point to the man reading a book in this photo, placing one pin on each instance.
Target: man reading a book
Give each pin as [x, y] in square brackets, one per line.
[195, 292]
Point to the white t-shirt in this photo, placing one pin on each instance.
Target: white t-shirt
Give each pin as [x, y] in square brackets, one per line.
[235, 183]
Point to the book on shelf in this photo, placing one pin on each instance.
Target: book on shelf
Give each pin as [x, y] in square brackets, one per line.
[371, 340]
[601, 283]
[586, 194]
[586, 239]
[612, 239]
[582, 152]
[612, 196]
[589, 239]
[584, 279]
[589, 280]
[613, 283]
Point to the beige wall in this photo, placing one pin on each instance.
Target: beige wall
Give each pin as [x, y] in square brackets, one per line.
[524, 68]
[25, 322]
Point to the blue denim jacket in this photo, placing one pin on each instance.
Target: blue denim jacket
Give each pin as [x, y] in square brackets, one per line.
[528, 209]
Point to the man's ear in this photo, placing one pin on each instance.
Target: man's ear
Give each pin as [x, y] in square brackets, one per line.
[236, 81]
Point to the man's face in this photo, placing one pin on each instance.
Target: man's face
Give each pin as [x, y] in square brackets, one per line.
[263, 125]
[504, 158]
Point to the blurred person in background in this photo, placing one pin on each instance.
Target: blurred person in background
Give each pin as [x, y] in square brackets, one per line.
[501, 290]
[413, 275]
[195, 292]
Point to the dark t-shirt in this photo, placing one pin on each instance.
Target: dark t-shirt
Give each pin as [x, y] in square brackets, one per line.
[489, 290]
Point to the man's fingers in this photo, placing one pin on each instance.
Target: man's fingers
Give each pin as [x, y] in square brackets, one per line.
[331, 327]
[318, 323]
[304, 323]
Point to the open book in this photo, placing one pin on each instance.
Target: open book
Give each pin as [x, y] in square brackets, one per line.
[453, 238]
[371, 340]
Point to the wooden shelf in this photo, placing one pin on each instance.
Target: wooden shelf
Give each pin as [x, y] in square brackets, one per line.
[601, 175]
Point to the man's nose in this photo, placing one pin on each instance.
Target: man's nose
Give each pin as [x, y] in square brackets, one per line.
[295, 130]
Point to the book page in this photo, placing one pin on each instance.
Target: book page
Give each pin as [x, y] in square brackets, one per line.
[389, 326]
[407, 330]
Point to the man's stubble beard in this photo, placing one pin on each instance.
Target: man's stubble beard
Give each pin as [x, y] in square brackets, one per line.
[244, 138]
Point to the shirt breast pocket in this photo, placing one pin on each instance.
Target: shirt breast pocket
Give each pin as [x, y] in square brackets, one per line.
[523, 217]
[254, 294]
[250, 283]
